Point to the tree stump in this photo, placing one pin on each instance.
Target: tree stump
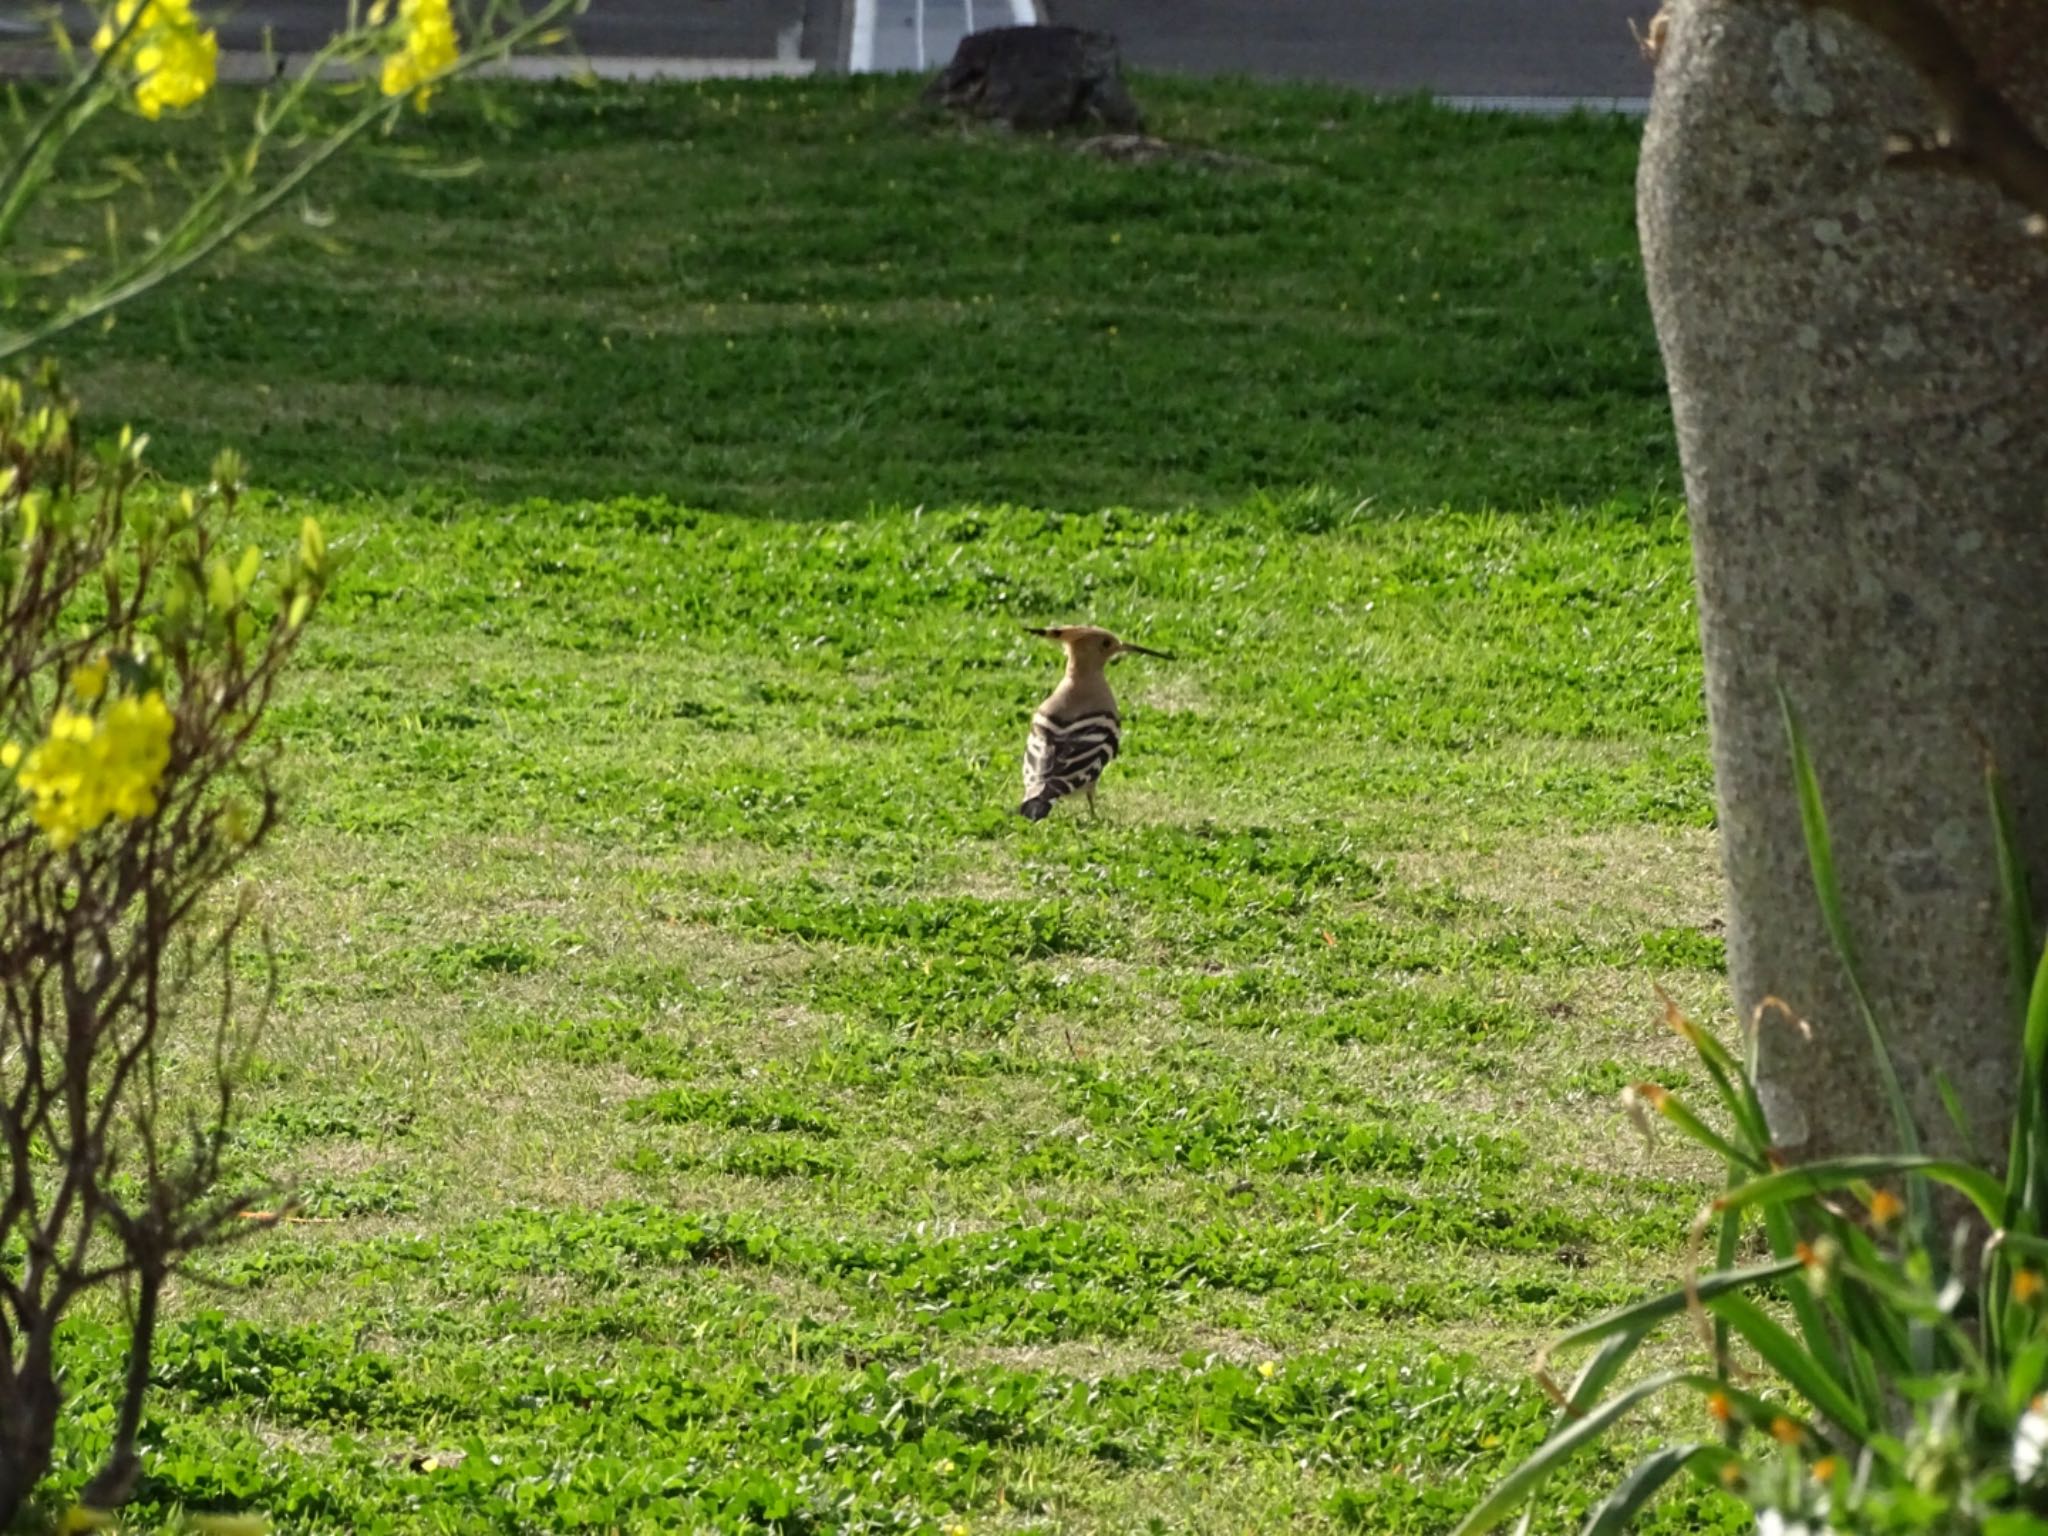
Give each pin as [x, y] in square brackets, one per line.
[1038, 79]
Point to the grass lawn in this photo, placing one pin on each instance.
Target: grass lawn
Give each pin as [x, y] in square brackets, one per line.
[716, 1109]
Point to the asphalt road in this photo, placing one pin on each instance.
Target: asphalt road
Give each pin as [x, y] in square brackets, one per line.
[1575, 48]
[1537, 48]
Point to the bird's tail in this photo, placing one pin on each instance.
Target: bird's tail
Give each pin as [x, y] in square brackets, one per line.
[1037, 808]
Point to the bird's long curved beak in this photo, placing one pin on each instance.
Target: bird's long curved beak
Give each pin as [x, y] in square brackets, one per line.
[1049, 634]
[1140, 650]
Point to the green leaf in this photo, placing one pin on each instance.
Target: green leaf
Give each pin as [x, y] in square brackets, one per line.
[2023, 1168]
[1958, 1116]
[2017, 906]
[1697, 1131]
[2024, 1177]
[1821, 1178]
[1792, 1360]
[1813, 1322]
[1613, 1514]
[1601, 1367]
[1509, 1493]
[2023, 1376]
[1604, 1365]
[1743, 1108]
[1639, 1317]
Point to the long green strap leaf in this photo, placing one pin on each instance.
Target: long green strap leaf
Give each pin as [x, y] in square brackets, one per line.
[1697, 1131]
[1604, 1365]
[1820, 1178]
[1613, 1514]
[1792, 1360]
[2032, 1162]
[1820, 856]
[2030, 993]
[1814, 1326]
[1639, 1317]
[1742, 1109]
[2012, 884]
[1601, 1367]
[2022, 1242]
[1508, 1494]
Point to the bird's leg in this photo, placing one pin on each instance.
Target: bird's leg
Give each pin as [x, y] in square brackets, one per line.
[1094, 813]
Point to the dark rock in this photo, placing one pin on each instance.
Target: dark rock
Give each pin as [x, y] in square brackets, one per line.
[1037, 79]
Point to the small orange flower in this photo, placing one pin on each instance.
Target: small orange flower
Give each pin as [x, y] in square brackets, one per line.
[1886, 1208]
[1785, 1432]
[2027, 1285]
[1731, 1474]
[1719, 1406]
[1824, 1470]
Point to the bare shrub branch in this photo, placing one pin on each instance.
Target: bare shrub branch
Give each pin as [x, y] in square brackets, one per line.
[139, 647]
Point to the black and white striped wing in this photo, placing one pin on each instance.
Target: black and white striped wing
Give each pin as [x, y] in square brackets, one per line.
[1064, 756]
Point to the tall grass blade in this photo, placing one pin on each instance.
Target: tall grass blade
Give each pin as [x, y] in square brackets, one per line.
[2017, 904]
[1959, 1117]
[1820, 858]
[2023, 1167]
[2030, 1165]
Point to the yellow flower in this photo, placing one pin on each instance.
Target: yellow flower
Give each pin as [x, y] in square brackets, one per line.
[10, 754]
[176, 72]
[88, 769]
[89, 681]
[430, 47]
[1885, 1208]
[175, 60]
[1267, 1368]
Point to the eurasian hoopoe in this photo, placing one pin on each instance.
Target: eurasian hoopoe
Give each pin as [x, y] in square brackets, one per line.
[1075, 733]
